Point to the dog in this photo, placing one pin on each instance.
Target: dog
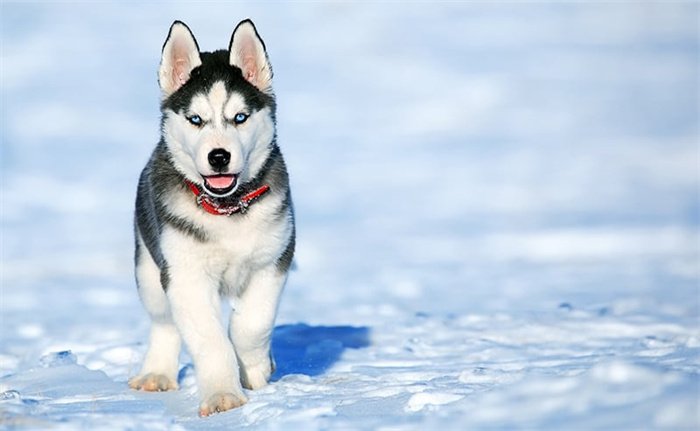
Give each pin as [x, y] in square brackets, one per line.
[214, 220]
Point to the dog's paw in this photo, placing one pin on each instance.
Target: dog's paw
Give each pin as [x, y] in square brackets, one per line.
[220, 402]
[256, 377]
[152, 382]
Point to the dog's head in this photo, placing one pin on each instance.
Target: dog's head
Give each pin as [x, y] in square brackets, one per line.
[218, 107]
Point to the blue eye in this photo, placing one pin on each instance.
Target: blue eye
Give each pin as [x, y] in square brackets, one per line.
[240, 118]
[195, 120]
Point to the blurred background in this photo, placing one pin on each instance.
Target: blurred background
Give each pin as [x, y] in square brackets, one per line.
[445, 157]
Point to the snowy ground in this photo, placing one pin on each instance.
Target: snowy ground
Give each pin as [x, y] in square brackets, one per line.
[498, 215]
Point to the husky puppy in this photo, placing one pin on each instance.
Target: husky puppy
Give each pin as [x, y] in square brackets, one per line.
[214, 219]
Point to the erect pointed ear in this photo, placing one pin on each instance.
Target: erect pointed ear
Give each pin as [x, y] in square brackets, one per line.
[180, 56]
[247, 52]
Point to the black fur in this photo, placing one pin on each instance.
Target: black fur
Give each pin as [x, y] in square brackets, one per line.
[215, 67]
[285, 261]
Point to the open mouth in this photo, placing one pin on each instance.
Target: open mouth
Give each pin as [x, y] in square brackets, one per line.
[220, 185]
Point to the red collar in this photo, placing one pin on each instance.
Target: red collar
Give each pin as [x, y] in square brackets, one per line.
[227, 209]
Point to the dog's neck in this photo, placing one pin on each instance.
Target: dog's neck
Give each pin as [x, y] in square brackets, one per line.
[226, 207]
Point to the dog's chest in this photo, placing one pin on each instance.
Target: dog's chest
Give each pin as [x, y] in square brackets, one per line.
[238, 244]
[234, 246]
[254, 236]
[241, 239]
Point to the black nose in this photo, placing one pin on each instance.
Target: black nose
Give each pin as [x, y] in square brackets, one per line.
[219, 158]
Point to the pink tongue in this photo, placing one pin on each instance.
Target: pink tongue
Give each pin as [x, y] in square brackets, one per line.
[220, 181]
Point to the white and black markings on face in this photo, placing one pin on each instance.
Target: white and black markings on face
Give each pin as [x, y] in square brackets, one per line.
[216, 69]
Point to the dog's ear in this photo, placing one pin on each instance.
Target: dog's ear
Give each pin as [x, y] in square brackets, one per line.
[180, 56]
[247, 52]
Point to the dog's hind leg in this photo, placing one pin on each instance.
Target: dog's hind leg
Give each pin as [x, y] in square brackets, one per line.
[252, 323]
[160, 366]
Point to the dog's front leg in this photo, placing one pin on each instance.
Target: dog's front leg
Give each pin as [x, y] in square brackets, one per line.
[196, 310]
[252, 323]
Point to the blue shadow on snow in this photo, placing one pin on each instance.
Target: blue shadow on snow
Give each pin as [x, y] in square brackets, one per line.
[312, 350]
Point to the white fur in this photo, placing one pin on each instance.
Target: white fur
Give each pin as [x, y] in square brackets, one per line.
[164, 343]
[190, 145]
[251, 325]
[253, 242]
[193, 294]
[240, 263]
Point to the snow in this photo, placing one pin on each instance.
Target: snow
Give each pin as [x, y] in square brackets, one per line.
[498, 211]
